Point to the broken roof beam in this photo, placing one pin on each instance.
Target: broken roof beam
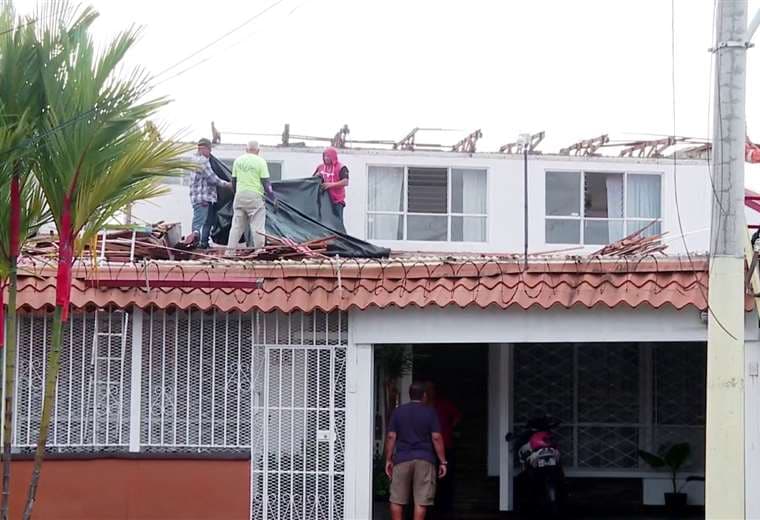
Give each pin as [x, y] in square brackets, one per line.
[407, 143]
[587, 147]
[650, 148]
[518, 146]
[695, 152]
[469, 143]
[340, 139]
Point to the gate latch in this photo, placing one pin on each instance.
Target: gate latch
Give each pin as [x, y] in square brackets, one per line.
[324, 435]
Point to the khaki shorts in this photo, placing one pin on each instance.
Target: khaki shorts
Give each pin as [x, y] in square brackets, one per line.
[418, 476]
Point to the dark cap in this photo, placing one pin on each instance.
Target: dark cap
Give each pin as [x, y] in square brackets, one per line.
[204, 142]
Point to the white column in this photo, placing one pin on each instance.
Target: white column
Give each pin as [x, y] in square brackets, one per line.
[494, 405]
[505, 426]
[752, 428]
[135, 386]
[359, 430]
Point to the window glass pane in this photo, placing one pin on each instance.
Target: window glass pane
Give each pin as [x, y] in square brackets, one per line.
[602, 232]
[637, 225]
[468, 191]
[562, 194]
[603, 195]
[423, 227]
[428, 188]
[386, 188]
[385, 227]
[560, 231]
[275, 171]
[644, 196]
[468, 229]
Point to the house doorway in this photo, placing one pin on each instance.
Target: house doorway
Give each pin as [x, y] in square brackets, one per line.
[460, 374]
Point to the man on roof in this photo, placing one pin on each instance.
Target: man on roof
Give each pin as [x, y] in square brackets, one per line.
[334, 177]
[203, 185]
[250, 181]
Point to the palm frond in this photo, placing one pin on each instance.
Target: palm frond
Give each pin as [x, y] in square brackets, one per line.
[102, 162]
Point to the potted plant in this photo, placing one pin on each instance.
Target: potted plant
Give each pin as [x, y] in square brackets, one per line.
[672, 459]
[380, 482]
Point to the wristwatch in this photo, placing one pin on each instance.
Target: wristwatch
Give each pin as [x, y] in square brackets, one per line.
[444, 463]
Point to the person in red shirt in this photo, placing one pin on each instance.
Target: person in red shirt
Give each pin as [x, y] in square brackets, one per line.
[334, 177]
[448, 418]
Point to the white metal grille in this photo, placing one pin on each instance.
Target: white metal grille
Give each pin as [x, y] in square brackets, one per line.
[272, 385]
[614, 399]
[196, 393]
[298, 452]
[92, 394]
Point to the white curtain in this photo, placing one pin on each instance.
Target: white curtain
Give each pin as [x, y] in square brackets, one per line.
[614, 185]
[386, 194]
[468, 196]
[644, 197]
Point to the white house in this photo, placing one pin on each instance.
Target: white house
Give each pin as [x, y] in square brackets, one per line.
[263, 384]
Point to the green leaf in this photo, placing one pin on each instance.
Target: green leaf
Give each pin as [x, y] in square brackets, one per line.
[652, 459]
[677, 455]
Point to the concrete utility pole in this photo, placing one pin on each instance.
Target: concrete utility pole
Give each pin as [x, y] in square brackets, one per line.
[724, 465]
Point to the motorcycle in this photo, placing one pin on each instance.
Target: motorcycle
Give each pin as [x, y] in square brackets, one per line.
[541, 477]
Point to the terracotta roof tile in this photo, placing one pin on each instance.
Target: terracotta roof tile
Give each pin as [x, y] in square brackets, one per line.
[421, 282]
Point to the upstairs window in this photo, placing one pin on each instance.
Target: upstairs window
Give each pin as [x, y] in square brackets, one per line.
[597, 208]
[427, 204]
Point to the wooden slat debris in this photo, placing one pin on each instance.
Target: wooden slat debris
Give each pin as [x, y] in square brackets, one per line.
[635, 244]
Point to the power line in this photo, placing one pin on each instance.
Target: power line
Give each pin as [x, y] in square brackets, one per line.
[30, 22]
[213, 55]
[675, 163]
[222, 37]
[29, 142]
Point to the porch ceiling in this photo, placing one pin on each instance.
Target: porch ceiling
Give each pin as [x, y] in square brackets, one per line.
[328, 285]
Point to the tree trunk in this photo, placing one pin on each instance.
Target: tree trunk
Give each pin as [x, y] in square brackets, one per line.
[51, 376]
[10, 385]
[10, 353]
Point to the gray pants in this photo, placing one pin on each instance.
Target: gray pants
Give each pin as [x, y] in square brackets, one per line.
[249, 212]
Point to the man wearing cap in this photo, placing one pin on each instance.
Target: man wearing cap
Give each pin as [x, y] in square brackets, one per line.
[250, 181]
[203, 185]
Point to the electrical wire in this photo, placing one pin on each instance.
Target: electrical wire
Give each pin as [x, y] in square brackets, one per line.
[215, 54]
[675, 160]
[16, 28]
[222, 37]
[31, 141]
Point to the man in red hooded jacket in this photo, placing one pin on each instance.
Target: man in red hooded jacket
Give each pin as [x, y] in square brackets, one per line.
[334, 177]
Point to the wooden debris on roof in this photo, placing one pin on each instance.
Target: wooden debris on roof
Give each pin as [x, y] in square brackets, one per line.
[635, 244]
[120, 243]
[286, 248]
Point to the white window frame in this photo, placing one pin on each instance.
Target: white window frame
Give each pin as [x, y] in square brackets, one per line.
[582, 217]
[282, 168]
[405, 213]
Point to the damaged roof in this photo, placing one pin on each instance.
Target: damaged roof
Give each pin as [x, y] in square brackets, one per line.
[343, 284]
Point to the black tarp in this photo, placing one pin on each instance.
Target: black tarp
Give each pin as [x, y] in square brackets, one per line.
[304, 212]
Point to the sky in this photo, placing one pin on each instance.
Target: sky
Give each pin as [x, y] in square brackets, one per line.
[573, 68]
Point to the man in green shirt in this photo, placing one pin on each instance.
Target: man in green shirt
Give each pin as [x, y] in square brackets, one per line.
[250, 181]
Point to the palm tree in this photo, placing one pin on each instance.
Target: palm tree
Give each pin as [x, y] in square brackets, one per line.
[96, 158]
[20, 111]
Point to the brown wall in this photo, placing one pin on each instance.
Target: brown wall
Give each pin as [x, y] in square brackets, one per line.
[113, 489]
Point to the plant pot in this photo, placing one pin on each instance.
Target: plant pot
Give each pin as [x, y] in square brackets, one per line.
[675, 502]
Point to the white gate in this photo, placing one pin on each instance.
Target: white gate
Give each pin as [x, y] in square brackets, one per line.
[299, 410]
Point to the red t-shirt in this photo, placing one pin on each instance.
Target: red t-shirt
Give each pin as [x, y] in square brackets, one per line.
[448, 417]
